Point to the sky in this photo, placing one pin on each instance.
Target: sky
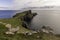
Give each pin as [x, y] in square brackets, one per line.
[6, 4]
[19, 4]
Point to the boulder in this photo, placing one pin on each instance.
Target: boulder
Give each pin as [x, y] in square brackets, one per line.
[8, 26]
[9, 33]
[14, 29]
[34, 14]
[45, 31]
[38, 36]
[34, 32]
[27, 33]
[30, 33]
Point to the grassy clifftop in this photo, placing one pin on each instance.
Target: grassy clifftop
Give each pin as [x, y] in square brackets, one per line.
[16, 21]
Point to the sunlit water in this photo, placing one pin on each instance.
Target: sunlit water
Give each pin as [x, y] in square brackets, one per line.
[47, 17]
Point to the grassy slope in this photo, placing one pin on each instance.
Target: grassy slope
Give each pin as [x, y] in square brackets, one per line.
[17, 22]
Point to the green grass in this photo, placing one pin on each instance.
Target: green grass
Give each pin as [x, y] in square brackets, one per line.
[16, 21]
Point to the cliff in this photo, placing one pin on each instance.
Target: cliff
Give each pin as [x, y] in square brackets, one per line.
[23, 33]
[26, 18]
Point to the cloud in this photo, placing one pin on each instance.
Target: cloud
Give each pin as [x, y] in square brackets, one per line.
[44, 3]
[19, 4]
[52, 3]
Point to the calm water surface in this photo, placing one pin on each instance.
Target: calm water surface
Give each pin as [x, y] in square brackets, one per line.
[47, 17]
[6, 13]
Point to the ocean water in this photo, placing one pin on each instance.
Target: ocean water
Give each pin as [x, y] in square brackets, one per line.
[45, 17]
[7, 13]
[10, 13]
[48, 18]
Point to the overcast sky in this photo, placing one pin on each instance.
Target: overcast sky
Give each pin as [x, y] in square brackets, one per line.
[19, 4]
[5, 4]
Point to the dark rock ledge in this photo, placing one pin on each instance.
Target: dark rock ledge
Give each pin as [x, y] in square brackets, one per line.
[27, 18]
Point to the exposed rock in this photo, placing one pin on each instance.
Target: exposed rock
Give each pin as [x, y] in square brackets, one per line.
[29, 11]
[14, 29]
[28, 33]
[9, 33]
[38, 31]
[25, 33]
[28, 15]
[24, 24]
[34, 32]
[8, 26]
[27, 18]
[44, 30]
[47, 29]
[38, 36]
[34, 14]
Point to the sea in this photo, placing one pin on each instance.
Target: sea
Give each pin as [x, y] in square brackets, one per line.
[49, 18]
[7, 13]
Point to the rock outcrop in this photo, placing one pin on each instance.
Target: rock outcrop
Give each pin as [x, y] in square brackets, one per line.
[27, 18]
[47, 29]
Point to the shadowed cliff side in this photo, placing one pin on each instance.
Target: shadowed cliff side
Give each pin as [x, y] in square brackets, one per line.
[26, 19]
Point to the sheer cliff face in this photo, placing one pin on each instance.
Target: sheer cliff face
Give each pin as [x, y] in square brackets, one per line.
[28, 16]
[27, 19]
